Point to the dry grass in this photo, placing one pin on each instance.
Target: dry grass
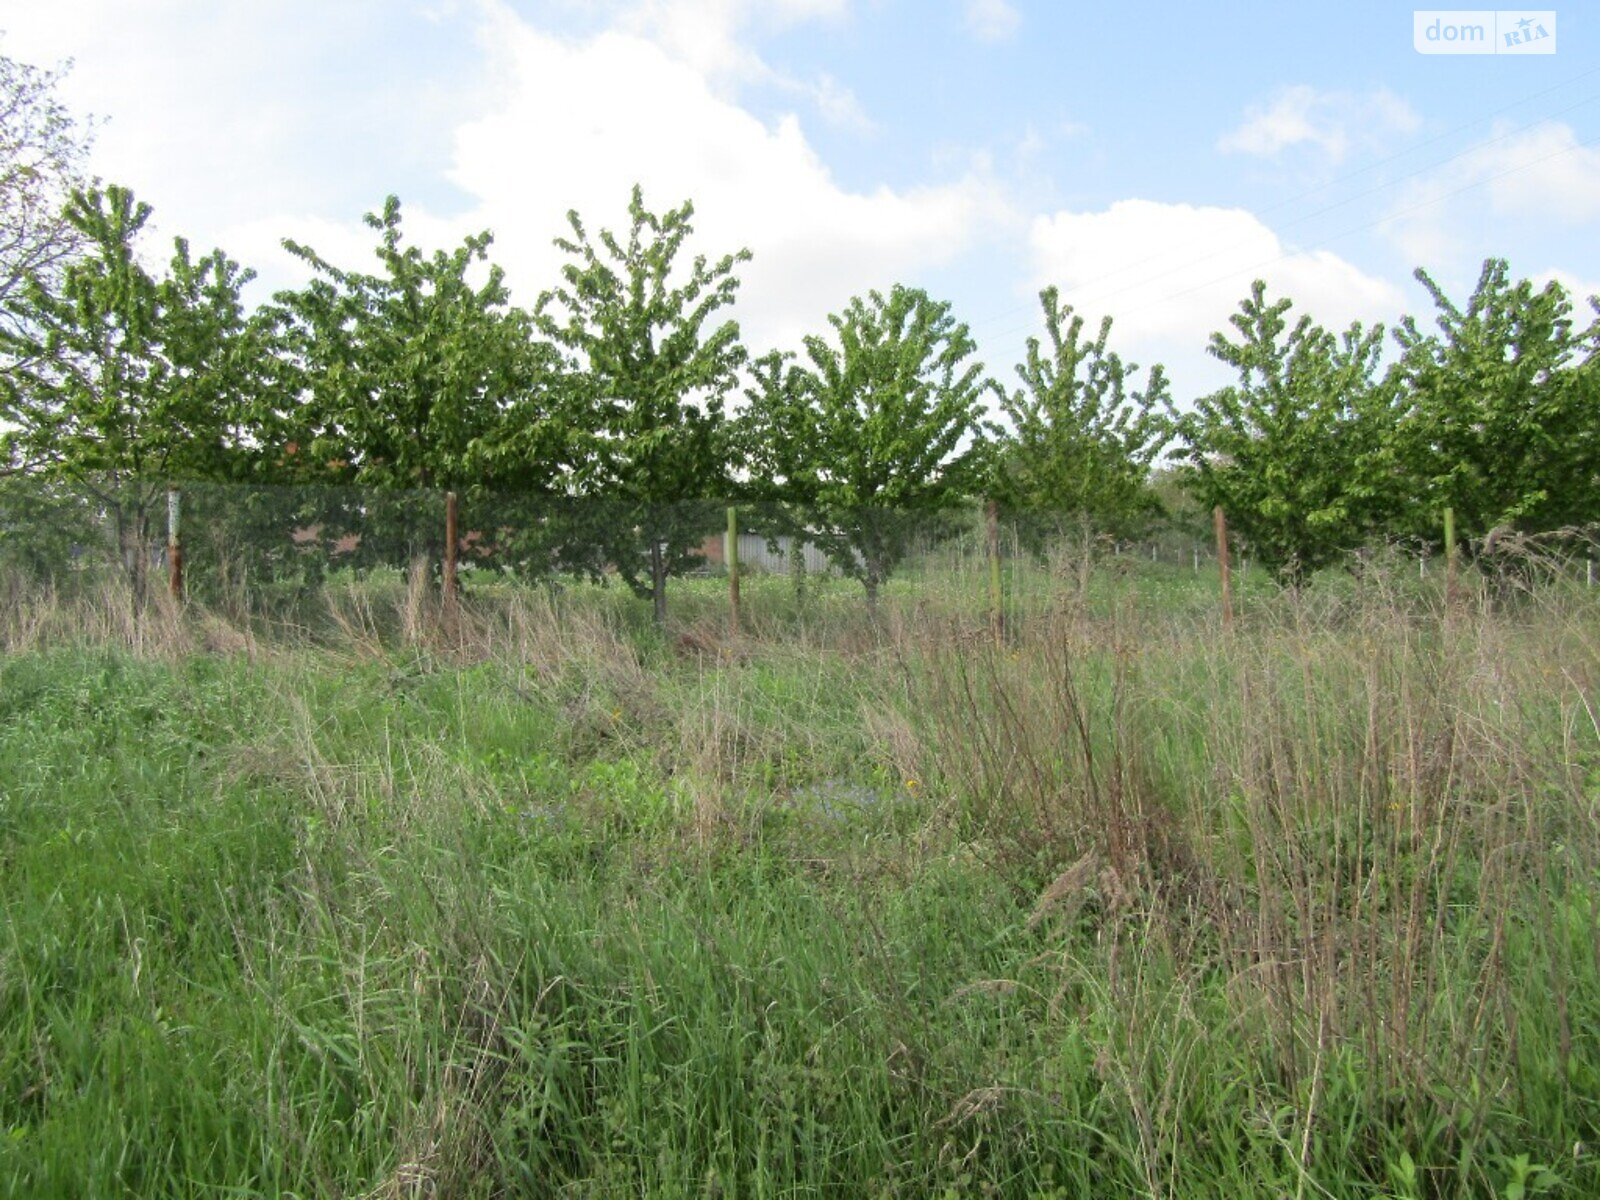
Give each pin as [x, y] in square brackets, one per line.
[1367, 822]
[1322, 885]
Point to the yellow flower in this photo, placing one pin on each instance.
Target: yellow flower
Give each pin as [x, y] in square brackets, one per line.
[911, 784]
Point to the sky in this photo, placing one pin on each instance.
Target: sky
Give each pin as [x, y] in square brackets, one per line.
[1149, 160]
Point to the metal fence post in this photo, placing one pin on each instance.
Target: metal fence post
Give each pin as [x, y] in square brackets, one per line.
[174, 543]
[732, 557]
[1449, 556]
[1223, 565]
[451, 545]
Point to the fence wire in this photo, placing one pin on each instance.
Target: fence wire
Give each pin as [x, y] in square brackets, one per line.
[252, 551]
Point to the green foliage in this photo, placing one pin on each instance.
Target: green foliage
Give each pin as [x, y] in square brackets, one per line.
[1081, 438]
[1111, 910]
[1182, 513]
[1503, 413]
[591, 435]
[44, 526]
[416, 376]
[1526, 1178]
[42, 152]
[119, 381]
[1298, 453]
[650, 372]
[415, 379]
[120, 375]
[877, 439]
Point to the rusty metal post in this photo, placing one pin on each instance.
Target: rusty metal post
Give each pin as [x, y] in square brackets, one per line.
[1223, 566]
[174, 543]
[452, 541]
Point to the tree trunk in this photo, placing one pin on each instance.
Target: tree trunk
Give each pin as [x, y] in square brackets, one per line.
[658, 582]
[134, 549]
[797, 569]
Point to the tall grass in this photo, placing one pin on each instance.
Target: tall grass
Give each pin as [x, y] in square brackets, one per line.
[1376, 842]
[540, 901]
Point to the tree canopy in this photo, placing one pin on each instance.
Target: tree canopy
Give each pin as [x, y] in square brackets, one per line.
[1082, 436]
[651, 361]
[1297, 451]
[417, 375]
[43, 148]
[119, 381]
[116, 374]
[592, 429]
[875, 432]
[1502, 414]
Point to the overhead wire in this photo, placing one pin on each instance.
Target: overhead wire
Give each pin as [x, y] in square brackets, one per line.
[1077, 290]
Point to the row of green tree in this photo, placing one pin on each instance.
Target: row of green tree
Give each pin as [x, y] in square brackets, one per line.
[627, 384]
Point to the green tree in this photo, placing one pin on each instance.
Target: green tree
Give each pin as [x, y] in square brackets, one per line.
[1502, 421]
[874, 439]
[42, 154]
[119, 382]
[416, 376]
[1082, 437]
[408, 381]
[650, 367]
[1297, 452]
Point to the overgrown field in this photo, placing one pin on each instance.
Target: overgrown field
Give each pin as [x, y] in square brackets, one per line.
[538, 901]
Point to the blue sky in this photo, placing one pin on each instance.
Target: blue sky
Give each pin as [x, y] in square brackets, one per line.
[1150, 159]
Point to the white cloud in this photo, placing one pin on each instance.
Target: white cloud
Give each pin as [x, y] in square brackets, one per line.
[1328, 121]
[991, 20]
[533, 154]
[1525, 181]
[1580, 290]
[838, 105]
[1170, 274]
[1030, 145]
[715, 38]
[1544, 173]
[702, 33]
[221, 113]
[243, 148]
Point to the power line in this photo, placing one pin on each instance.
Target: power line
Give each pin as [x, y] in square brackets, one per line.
[1332, 238]
[1391, 216]
[1444, 162]
[1078, 288]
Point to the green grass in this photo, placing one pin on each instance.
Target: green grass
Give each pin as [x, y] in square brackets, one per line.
[561, 906]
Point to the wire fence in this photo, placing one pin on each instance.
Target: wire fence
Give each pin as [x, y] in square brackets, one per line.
[276, 553]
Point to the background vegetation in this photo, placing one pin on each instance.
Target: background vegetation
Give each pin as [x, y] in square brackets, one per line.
[613, 390]
[548, 903]
[316, 884]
